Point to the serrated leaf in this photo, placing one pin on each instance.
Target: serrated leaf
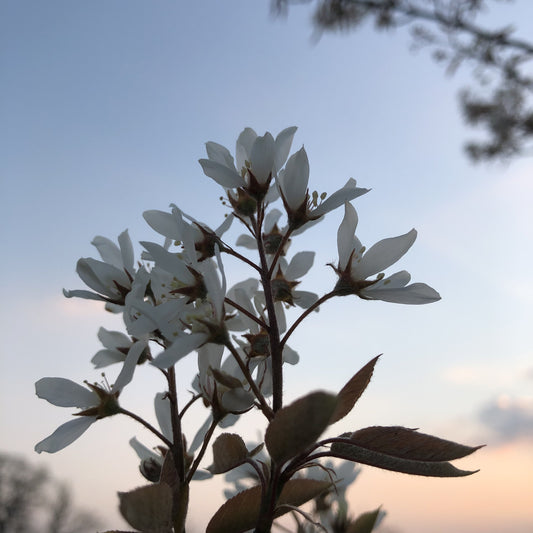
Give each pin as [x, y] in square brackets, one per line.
[148, 508]
[409, 444]
[352, 391]
[240, 513]
[297, 426]
[358, 454]
[364, 523]
[229, 451]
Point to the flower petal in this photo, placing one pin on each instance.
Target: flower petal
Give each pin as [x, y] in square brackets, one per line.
[294, 179]
[262, 157]
[164, 223]
[345, 194]
[383, 254]
[414, 294]
[220, 154]
[65, 393]
[243, 147]
[162, 413]
[182, 346]
[126, 252]
[65, 434]
[223, 175]
[300, 265]
[346, 235]
[283, 147]
[126, 374]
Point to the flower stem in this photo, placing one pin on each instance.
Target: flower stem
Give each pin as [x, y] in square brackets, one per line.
[146, 425]
[203, 449]
[267, 411]
[307, 312]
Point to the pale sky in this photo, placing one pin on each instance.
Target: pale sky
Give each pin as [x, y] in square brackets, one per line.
[105, 109]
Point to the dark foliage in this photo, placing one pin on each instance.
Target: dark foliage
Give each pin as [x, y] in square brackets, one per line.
[500, 62]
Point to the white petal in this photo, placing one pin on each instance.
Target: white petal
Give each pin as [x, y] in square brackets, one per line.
[209, 355]
[200, 435]
[113, 339]
[224, 226]
[345, 235]
[414, 294]
[65, 393]
[383, 254]
[246, 241]
[105, 358]
[164, 223]
[304, 299]
[300, 265]
[290, 356]
[169, 262]
[347, 193]
[126, 252]
[108, 250]
[182, 346]
[294, 179]
[101, 276]
[271, 219]
[126, 374]
[220, 154]
[201, 475]
[283, 147]
[243, 147]
[65, 434]
[143, 452]
[237, 400]
[223, 175]
[162, 413]
[86, 295]
[262, 157]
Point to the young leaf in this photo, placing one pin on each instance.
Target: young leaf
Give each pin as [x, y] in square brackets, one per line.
[367, 456]
[297, 426]
[352, 391]
[169, 474]
[148, 508]
[241, 512]
[364, 523]
[229, 451]
[409, 444]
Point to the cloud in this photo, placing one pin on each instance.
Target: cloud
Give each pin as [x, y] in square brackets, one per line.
[508, 418]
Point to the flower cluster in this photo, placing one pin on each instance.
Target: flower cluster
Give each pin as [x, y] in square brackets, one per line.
[175, 302]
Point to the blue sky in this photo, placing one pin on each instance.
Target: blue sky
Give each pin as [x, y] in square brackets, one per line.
[106, 107]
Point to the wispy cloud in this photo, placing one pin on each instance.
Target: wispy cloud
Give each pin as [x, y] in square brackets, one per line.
[508, 418]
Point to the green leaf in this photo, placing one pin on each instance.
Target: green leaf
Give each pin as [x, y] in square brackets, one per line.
[409, 444]
[241, 512]
[297, 426]
[229, 451]
[368, 456]
[352, 391]
[364, 523]
[148, 508]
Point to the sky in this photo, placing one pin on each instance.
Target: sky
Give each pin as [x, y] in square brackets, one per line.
[105, 110]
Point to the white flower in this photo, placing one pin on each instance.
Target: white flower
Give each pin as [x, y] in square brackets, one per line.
[111, 278]
[197, 238]
[284, 283]
[96, 402]
[356, 265]
[116, 348]
[257, 160]
[293, 182]
[206, 320]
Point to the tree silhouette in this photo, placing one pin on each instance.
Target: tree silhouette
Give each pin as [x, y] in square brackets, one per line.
[500, 62]
[32, 502]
